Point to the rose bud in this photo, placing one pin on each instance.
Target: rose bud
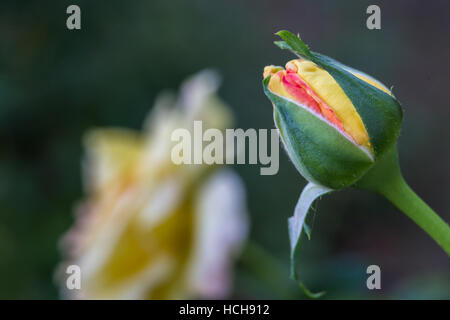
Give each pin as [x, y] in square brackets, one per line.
[340, 127]
[330, 138]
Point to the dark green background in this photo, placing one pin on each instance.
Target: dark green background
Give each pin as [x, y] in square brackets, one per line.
[55, 84]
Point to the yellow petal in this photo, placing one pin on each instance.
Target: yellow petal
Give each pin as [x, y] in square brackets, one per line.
[275, 84]
[109, 153]
[370, 81]
[329, 90]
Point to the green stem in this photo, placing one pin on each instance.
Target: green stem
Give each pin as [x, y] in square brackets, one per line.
[403, 197]
[386, 179]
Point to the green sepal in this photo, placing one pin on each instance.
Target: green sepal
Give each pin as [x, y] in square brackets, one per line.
[319, 151]
[282, 44]
[296, 224]
[380, 112]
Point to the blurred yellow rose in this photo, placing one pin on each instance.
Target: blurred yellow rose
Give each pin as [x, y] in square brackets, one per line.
[151, 229]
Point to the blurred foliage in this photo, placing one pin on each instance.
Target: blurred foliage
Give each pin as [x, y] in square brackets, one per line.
[55, 84]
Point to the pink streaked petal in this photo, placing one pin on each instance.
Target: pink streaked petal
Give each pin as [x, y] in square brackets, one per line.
[299, 93]
[304, 94]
